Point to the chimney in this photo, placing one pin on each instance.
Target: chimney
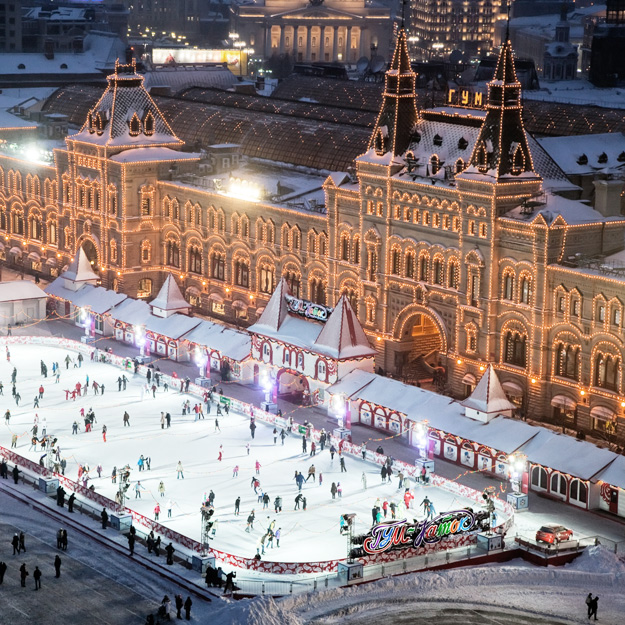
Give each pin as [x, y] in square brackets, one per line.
[48, 49]
[608, 197]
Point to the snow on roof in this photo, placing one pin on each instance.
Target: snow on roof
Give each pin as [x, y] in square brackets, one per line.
[275, 312]
[80, 269]
[567, 454]
[572, 211]
[126, 99]
[8, 120]
[173, 327]
[140, 155]
[170, 297]
[100, 51]
[17, 290]
[179, 78]
[132, 311]
[541, 446]
[99, 299]
[489, 396]
[230, 343]
[342, 336]
[568, 152]
[614, 473]
[295, 331]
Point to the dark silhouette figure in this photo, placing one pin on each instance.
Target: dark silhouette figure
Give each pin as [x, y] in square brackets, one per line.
[57, 566]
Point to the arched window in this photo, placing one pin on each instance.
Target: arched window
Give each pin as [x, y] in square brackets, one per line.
[113, 248]
[148, 124]
[195, 260]
[294, 281]
[525, 293]
[134, 126]
[266, 278]
[508, 287]
[539, 478]
[435, 164]
[606, 371]
[423, 268]
[356, 250]
[454, 275]
[345, 247]
[53, 237]
[395, 261]
[568, 361]
[173, 253]
[558, 484]
[146, 251]
[317, 291]
[242, 273]
[409, 264]
[372, 264]
[218, 266]
[438, 271]
[515, 349]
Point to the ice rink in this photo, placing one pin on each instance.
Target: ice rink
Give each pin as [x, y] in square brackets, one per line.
[311, 535]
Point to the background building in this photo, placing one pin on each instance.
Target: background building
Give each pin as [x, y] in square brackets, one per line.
[331, 31]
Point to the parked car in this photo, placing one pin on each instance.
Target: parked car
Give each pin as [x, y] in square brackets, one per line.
[553, 534]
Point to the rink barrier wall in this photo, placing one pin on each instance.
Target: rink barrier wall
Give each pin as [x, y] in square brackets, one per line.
[252, 564]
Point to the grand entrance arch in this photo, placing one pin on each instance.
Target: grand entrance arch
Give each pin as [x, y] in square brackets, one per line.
[421, 340]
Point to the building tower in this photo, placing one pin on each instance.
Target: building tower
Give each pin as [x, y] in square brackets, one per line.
[398, 115]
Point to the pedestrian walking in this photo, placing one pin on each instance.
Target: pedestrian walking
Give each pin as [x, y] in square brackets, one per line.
[179, 470]
[179, 603]
[237, 506]
[161, 488]
[343, 469]
[22, 544]
[131, 544]
[170, 505]
[333, 490]
[57, 566]
[157, 511]
[3, 570]
[104, 517]
[257, 465]
[304, 444]
[282, 435]
[70, 502]
[235, 471]
[15, 543]
[169, 550]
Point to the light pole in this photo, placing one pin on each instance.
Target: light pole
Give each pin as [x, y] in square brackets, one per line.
[517, 466]
[140, 339]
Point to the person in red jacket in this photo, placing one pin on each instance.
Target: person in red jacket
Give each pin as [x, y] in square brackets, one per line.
[408, 497]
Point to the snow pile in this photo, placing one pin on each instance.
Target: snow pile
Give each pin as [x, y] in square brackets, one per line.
[599, 559]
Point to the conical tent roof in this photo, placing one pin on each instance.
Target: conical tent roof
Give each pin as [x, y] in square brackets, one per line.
[80, 269]
[170, 297]
[276, 310]
[488, 396]
[343, 336]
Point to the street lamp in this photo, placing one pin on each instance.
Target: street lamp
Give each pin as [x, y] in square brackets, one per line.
[140, 339]
[516, 468]
[201, 361]
[421, 435]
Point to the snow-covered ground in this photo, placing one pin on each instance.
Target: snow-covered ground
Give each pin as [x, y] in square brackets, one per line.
[310, 535]
[514, 593]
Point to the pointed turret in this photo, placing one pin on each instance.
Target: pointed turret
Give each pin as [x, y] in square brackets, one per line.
[276, 310]
[501, 149]
[126, 116]
[398, 115]
[169, 300]
[342, 335]
[488, 400]
[79, 272]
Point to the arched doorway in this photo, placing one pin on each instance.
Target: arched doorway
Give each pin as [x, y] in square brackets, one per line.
[293, 386]
[91, 252]
[421, 341]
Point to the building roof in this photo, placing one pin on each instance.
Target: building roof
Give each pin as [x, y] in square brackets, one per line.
[170, 297]
[488, 396]
[342, 336]
[588, 154]
[126, 116]
[80, 269]
[230, 343]
[97, 298]
[18, 290]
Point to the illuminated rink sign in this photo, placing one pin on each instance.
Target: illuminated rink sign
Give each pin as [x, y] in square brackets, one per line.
[402, 535]
[307, 309]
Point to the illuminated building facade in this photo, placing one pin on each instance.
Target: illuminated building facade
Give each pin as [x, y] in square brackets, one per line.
[317, 30]
[437, 27]
[448, 240]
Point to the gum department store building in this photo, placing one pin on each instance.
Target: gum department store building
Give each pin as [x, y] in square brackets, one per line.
[450, 239]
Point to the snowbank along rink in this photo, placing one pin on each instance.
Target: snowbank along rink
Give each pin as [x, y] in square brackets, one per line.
[306, 535]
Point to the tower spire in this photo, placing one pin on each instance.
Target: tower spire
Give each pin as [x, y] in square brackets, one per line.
[502, 148]
[398, 114]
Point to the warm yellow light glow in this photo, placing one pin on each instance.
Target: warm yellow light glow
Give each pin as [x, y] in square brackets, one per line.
[459, 361]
